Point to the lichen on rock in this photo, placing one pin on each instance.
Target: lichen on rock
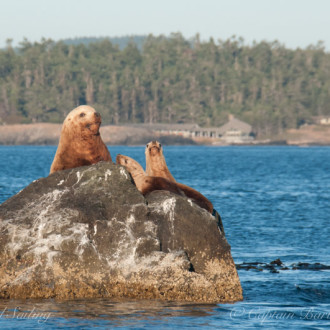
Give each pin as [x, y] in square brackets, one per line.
[88, 232]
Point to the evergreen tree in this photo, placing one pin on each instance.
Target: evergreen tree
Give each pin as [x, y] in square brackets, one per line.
[167, 80]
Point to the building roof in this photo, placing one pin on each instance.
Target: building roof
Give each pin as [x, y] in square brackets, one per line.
[235, 124]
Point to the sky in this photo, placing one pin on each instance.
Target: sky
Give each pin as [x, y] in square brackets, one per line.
[294, 23]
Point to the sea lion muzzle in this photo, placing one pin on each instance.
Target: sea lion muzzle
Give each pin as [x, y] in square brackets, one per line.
[154, 150]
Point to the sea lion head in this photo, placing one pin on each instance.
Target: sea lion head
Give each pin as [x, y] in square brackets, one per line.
[84, 120]
[154, 148]
[131, 165]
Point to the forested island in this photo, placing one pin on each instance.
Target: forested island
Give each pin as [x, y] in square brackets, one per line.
[166, 80]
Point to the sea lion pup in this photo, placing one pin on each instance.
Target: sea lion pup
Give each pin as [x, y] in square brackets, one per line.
[156, 166]
[155, 161]
[144, 183]
[80, 142]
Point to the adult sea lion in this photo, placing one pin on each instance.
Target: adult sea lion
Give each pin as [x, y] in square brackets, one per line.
[80, 142]
[155, 161]
[144, 183]
[156, 166]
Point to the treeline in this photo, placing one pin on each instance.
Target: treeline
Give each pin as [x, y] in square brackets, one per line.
[170, 80]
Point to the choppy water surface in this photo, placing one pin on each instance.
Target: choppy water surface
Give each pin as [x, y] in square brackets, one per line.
[274, 202]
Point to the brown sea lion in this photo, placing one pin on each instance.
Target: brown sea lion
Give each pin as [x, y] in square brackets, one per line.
[80, 142]
[196, 197]
[155, 161]
[144, 183]
[156, 166]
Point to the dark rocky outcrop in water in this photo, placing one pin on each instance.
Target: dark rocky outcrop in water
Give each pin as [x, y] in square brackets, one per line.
[276, 266]
[88, 232]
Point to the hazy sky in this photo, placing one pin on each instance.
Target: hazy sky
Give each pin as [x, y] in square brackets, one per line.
[295, 23]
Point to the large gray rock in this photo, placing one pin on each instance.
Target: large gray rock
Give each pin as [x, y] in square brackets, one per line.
[88, 232]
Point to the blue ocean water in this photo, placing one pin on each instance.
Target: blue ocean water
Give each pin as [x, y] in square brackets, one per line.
[274, 203]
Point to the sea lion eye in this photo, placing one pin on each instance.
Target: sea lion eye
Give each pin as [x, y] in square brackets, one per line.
[160, 145]
[82, 114]
[147, 145]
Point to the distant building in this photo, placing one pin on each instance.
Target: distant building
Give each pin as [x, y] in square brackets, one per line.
[325, 121]
[235, 131]
[321, 120]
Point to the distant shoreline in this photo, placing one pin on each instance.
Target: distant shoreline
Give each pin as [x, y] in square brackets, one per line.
[49, 134]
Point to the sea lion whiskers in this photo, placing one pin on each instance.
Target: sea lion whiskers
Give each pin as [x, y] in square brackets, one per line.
[154, 147]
